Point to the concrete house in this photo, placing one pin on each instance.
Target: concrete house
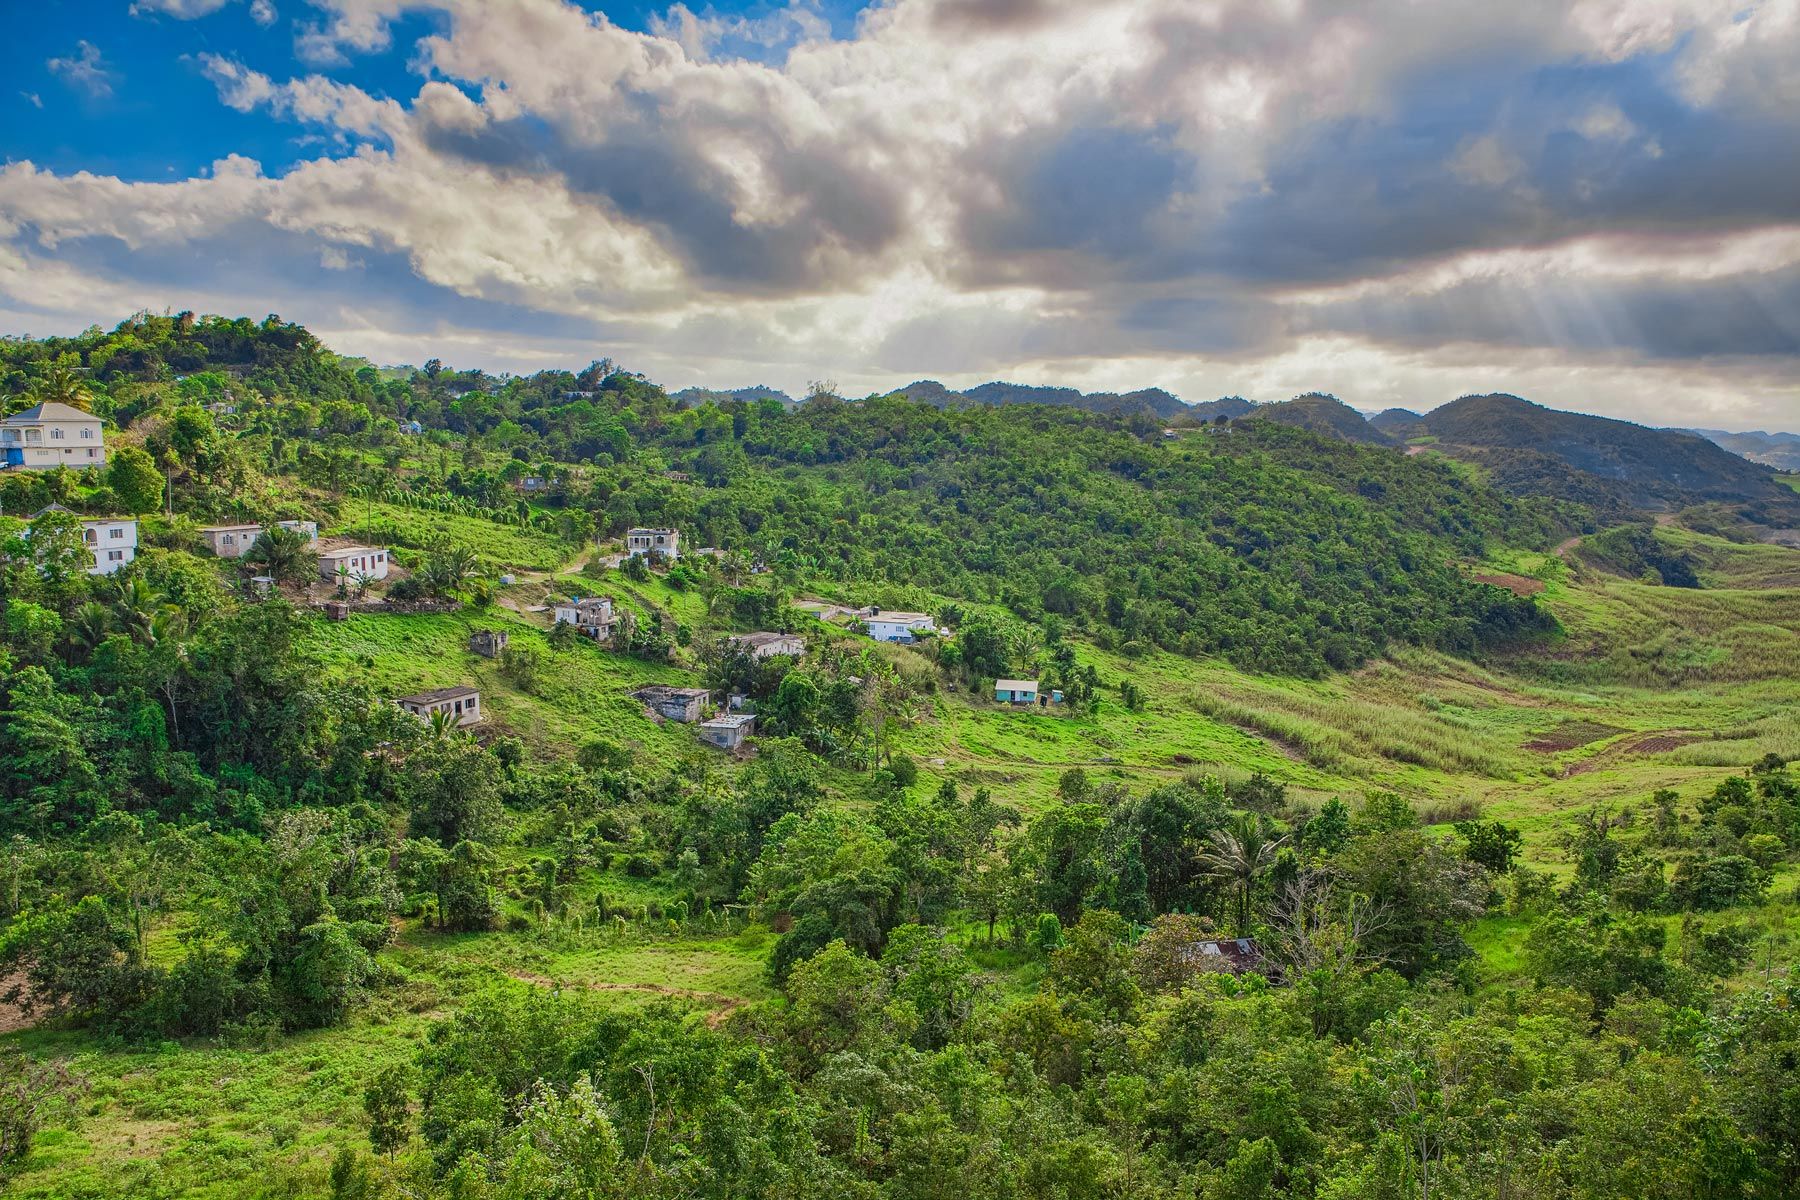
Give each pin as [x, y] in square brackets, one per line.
[112, 541]
[903, 627]
[51, 435]
[772, 645]
[462, 703]
[361, 560]
[231, 541]
[729, 731]
[666, 542]
[489, 642]
[1015, 691]
[592, 616]
[309, 528]
[674, 703]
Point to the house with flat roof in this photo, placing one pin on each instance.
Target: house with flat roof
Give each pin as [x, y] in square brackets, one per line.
[674, 703]
[886, 626]
[230, 541]
[461, 703]
[366, 561]
[51, 435]
[727, 732]
[666, 542]
[592, 616]
[1015, 691]
[310, 529]
[112, 541]
[772, 645]
[1233, 955]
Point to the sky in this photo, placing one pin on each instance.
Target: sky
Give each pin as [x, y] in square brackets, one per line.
[1594, 204]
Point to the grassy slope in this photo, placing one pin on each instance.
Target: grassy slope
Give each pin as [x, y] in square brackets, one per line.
[207, 1120]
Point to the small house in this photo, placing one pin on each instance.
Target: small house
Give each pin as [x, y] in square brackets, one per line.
[1232, 955]
[729, 731]
[230, 541]
[666, 542]
[51, 435]
[1015, 691]
[772, 645]
[592, 616]
[681, 704]
[461, 703]
[307, 529]
[222, 408]
[337, 610]
[902, 627]
[489, 642]
[365, 561]
[532, 484]
[111, 540]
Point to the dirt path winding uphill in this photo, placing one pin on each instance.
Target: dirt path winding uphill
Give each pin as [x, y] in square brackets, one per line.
[1567, 544]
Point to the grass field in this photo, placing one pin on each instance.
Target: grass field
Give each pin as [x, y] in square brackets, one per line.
[500, 547]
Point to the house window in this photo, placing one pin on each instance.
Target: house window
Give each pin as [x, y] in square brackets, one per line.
[89, 536]
[114, 555]
[90, 452]
[88, 434]
[118, 531]
[56, 435]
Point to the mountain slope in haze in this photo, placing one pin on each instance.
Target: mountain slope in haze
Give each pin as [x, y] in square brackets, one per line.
[1324, 414]
[1399, 423]
[1526, 445]
[1778, 450]
[1155, 400]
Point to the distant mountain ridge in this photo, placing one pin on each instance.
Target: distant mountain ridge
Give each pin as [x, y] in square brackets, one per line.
[1780, 450]
[694, 396]
[1324, 414]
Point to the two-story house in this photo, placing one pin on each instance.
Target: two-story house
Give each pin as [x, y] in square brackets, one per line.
[51, 435]
[593, 616]
[666, 542]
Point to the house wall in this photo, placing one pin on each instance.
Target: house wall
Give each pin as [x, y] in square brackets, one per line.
[41, 445]
[232, 543]
[373, 563]
[112, 543]
[466, 710]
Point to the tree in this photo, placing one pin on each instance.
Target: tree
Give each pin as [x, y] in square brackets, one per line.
[1238, 856]
[1490, 843]
[388, 1107]
[285, 554]
[134, 479]
[29, 1090]
[61, 385]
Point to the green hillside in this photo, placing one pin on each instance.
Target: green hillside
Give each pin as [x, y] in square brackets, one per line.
[1499, 786]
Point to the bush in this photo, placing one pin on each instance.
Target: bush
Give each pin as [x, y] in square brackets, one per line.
[1707, 884]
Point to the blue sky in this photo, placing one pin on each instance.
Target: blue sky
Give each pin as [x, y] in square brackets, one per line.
[1594, 204]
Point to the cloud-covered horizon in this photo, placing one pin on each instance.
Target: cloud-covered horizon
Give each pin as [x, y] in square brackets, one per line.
[1594, 205]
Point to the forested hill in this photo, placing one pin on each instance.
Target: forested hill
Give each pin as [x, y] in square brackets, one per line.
[1280, 555]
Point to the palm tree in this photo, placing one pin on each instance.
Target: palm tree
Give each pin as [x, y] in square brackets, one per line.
[90, 625]
[1238, 855]
[138, 606]
[284, 553]
[60, 385]
[343, 581]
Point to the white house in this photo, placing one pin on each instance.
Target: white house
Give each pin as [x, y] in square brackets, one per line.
[666, 542]
[885, 626]
[51, 435]
[360, 560]
[461, 703]
[231, 541]
[592, 616]
[111, 540]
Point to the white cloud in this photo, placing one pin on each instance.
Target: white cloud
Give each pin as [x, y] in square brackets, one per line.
[85, 70]
[1235, 196]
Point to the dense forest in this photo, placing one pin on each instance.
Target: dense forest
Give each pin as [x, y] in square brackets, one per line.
[220, 838]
